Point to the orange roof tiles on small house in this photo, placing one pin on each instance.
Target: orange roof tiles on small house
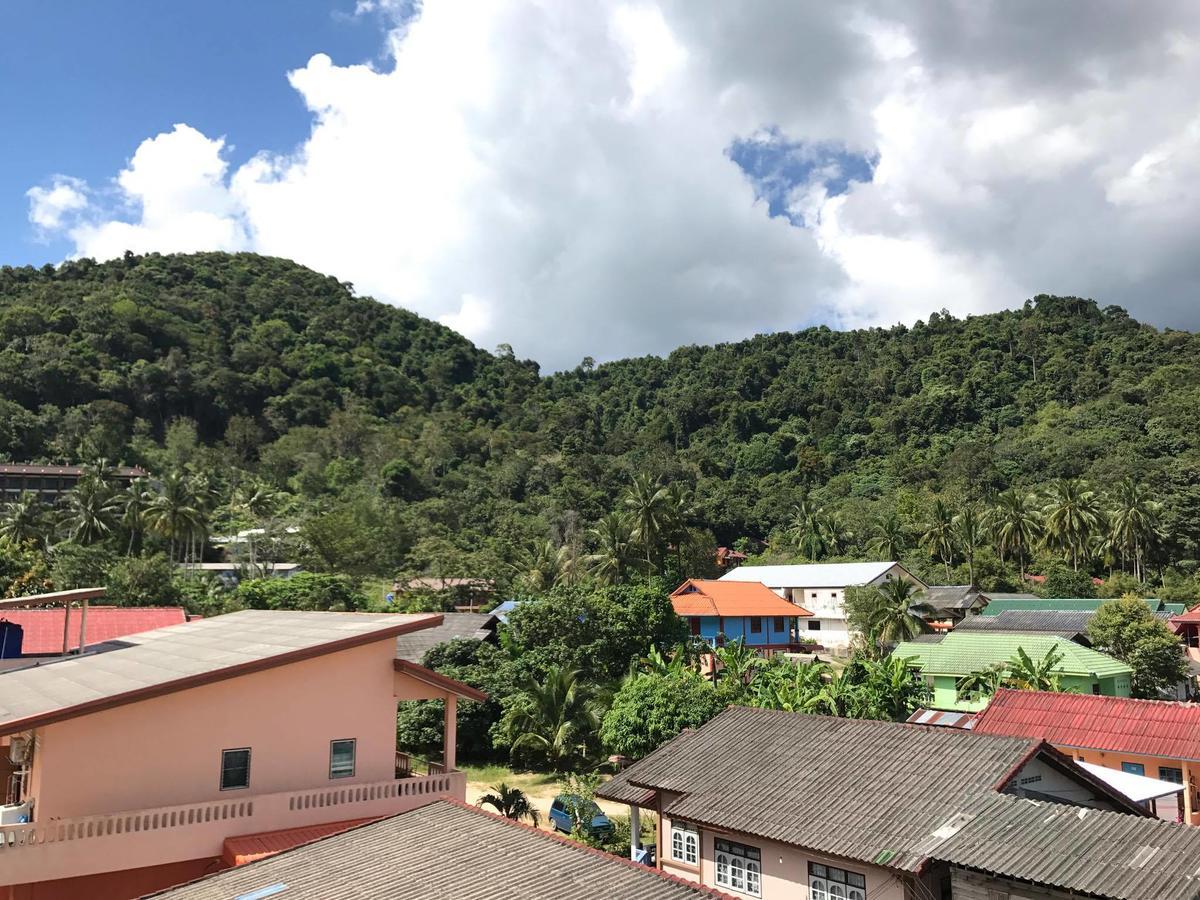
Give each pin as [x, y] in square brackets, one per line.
[245, 848]
[696, 597]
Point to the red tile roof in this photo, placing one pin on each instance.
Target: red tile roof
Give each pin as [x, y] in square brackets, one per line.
[243, 848]
[1192, 616]
[1152, 727]
[44, 627]
[731, 598]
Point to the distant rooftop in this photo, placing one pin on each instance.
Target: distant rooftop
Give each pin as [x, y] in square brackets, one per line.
[69, 471]
[964, 652]
[1070, 604]
[445, 850]
[182, 656]
[43, 628]
[472, 626]
[817, 575]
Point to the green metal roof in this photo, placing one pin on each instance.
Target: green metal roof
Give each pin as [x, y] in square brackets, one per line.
[964, 652]
[1070, 604]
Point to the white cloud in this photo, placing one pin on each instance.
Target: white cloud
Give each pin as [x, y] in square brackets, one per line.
[558, 177]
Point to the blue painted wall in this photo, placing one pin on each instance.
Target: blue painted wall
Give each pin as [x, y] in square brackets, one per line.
[734, 630]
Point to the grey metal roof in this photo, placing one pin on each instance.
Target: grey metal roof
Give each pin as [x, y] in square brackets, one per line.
[476, 626]
[180, 656]
[1090, 851]
[444, 850]
[1030, 621]
[950, 596]
[863, 790]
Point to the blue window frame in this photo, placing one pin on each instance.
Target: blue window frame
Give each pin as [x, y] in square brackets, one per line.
[1133, 768]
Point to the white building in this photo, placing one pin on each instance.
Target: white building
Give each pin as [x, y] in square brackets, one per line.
[821, 589]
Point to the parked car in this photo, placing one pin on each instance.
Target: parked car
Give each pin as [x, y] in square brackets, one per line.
[567, 809]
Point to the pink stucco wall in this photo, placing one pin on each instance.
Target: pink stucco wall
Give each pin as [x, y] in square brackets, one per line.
[167, 750]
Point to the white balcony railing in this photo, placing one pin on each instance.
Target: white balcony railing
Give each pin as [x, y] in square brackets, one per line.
[87, 845]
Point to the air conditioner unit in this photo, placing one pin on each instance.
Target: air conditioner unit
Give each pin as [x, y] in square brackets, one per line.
[17, 750]
[15, 814]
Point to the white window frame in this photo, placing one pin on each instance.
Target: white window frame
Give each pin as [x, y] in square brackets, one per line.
[685, 843]
[834, 883]
[334, 773]
[738, 867]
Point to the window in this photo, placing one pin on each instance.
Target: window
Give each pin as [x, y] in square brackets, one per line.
[235, 769]
[1096, 688]
[779, 623]
[1167, 773]
[695, 623]
[756, 624]
[831, 883]
[738, 867]
[814, 595]
[1133, 768]
[833, 594]
[341, 758]
[685, 843]
[814, 625]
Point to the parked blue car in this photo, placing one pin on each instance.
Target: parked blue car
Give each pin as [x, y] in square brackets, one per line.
[567, 809]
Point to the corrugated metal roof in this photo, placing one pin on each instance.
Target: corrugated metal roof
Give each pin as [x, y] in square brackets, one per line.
[1076, 604]
[697, 597]
[43, 628]
[1103, 854]
[951, 596]
[1152, 727]
[943, 718]
[246, 848]
[964, 652]
[1031, 621]
[848, 787]
[473, 626]
[167, 659]
[445, 850]
[819, 575]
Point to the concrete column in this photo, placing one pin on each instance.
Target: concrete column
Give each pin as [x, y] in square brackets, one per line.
[450, 734]
[635, 831]
[1188, 787]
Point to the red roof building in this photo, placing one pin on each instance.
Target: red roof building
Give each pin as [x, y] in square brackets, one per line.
[43, 628]
[1156, 738]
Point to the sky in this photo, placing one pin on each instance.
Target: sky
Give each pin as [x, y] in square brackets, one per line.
[611, 179]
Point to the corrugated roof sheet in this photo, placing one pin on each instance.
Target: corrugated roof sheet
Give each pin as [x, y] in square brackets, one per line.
[445, 850]
[819, 575]
[474, 626]
[696, 597]
[951, 596]
[43, 628]
[246, 848]
[964, 652]
[847, 787]
[167, 659]
[1152, 727]
[1031, 621]
[1076, 604]
[941, 717]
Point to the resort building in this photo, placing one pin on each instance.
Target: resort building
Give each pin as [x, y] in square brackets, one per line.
[51, 482]
[821, 588]
[771, 804]
[144, 762]
[945, 662]
[724, 611]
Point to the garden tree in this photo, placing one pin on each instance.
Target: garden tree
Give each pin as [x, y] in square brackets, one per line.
[937, 536]
[650, 709]
[1062, 581]
[790, 687]
[968, 531]
[1074, 514]
[863, 689]
[142, 581]
[891, 537]
[177, 513]
[552, 721]
[1134, 524]
[302, 591]
[1016, 525]
[512, 803]
[1021, 673]
[887, 614]
[1126, 629]
[77, 566]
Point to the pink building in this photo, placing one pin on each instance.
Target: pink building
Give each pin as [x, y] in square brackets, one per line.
[139, 767]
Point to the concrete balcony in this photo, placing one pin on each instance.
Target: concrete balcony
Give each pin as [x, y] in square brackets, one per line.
[64, 848]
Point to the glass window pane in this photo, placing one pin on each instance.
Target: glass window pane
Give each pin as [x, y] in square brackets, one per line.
[341, 759]
[235, 769]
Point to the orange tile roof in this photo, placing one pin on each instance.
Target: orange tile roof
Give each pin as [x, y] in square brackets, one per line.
[696, 597]
[243, 848]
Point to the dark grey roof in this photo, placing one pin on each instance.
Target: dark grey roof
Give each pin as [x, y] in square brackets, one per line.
[476, 626]
[444, 850]
[863, 790]
[932, 638]
[950, 596]
[1067, 622]
[1088, 851]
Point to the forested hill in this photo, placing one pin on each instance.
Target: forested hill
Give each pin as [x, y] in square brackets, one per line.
[433, 453]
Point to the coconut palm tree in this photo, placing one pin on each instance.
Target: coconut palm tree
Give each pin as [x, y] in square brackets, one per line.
[937, 537]
[540, 566]
[1133, 524]
[1073, 514]
[1016, 525]
[896, 613]
[512, 803]
[649, 507]
[968, 533]
[90, 511]
[554, 718]
[836, 534]
[24, 520]
[134, 503]
[807, 528]
[891, 537]
[614, 548]
[175, 514]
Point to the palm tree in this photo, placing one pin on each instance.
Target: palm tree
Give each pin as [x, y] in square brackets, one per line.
[554, 718]
[891, 537]
[175, 514]
[135, 502]
[539, 567]
[614, 553]
[968, 536]
[938, 535]
[90, 511]
[1134, 524]
[24, 520]
[1016, 524]
[807, 528]
[680, 509]
[1026, 674]
[1073, 513]
[836, 535]
[649, 507]
[896, 614]
[512, 803]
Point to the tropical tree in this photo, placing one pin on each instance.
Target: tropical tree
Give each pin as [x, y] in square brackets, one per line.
[887, 614]
[512, 803]
[1073, 514]
[1133, 524]
[937, 535]
[1016, 525]
[891, 537]
[788, 686]
[1027, 674]
[1125, 629]
[968, 532]
[540, 566]
[807, 528]
[176, 515]
[90, 511]
[649, 506]
[135, 503]
[836, 534]
[24, 520]
[735, 661]
[553, 719]
[614, 551]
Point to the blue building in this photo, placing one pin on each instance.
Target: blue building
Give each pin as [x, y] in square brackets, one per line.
[723, 611]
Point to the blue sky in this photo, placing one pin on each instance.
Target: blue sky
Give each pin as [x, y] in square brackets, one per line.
[84, 82]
